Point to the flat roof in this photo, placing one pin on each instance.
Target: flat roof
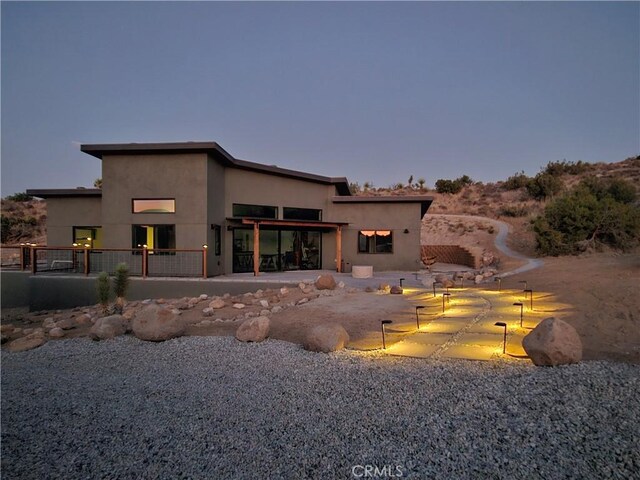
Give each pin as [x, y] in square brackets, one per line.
[217, 152]
[64, 192]
[424, 200]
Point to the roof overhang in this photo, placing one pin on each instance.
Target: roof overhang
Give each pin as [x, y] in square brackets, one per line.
[215, 151]
[65, 192]
[288, 223]
[424, 200]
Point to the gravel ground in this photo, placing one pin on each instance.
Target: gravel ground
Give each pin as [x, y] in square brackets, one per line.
[211, 407]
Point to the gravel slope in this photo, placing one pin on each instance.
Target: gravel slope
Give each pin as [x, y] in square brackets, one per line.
[211, 407]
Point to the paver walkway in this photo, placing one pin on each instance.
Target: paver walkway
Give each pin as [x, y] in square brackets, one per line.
[466, 329]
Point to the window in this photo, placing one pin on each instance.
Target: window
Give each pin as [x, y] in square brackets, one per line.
[91, 236]
[154, 236]
[254, 211]
[375, 241]
[290, 213]
[154, 205]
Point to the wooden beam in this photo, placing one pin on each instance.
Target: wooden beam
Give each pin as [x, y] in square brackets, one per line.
[256, 249]
[339, 249]
[285, 223]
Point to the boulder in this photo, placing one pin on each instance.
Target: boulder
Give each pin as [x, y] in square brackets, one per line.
[479, 279]
[65, 324]
[396, 290]
[264, 303]
[239, 306]
[27, 343]
[217, 303]
[326, 282]
[56, 332]
[553, 342]
[156, 324]
[207, 312]
[109, 327]
[441, 278]
[82, 320]
[326, 338]
[284, 291]
[253, 330]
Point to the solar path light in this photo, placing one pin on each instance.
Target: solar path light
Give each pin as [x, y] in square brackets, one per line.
[530, 292]
[401, 280]
[419, 307]
[521, 305]
[499, 280]
[525, 283]
[504, 341]
[382, 324]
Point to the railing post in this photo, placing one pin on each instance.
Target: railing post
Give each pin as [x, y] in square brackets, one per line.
[204, 260]
[145, 261]
[86, 260]
[23, 258]
[34, 260]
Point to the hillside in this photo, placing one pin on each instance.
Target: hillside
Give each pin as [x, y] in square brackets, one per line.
[23, 220]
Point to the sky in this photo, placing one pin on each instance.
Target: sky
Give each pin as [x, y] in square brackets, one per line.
[375, 92]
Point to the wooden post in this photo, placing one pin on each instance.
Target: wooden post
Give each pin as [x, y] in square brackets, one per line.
[86, 260]
[23, 258]
[339, 249]
[256, 249]
[145, 260]
[204, 261]
[34, 260]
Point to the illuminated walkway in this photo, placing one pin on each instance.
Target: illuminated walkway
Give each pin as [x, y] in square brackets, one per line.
[466, 329]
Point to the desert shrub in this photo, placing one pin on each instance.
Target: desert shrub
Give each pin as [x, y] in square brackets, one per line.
[121, 280]
[354, 188]
[453, 186]
[513, 211]
[421, 183]
[589, 213]
[543, 186]
[97, 183]
[103, 288]
[572, 168]
[19, 197]
[516, 181]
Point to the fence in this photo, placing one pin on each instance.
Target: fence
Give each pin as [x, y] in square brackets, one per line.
[141, 261]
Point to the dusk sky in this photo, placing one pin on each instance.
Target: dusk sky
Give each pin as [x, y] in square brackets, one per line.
[371, 91]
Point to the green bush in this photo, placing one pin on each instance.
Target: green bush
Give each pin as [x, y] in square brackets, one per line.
[543, 186]
[592, 213]
[513, 211]
[572, 168]
[516, 181]
[453, 186]
[19, 197]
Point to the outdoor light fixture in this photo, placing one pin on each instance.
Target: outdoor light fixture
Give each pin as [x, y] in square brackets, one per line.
[401, 280]
[530, 291]
[499, 280]
[406, 230]
[419, 307]
[75, 244]
[205, 246]
[525, 284]
[382, 324]
[504, 341]
[520, 304]
[461, 282]
[87, 245]
[434, 288]
[446, 295]
[145, 246]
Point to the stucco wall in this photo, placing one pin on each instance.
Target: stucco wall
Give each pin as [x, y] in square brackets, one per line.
[381, 216]
[65, 213]
[180, 176]
[215, 216]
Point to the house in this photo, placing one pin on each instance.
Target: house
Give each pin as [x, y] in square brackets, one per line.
[251, 217]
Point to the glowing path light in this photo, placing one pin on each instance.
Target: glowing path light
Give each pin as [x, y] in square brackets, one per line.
[499, 280]
[446, 295]
[419, 307]
[520, 304]
[529, 291]
[382, 324]
[504, 341]
[401, 280]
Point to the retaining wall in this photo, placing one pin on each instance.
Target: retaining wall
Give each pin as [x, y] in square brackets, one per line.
[454, 254]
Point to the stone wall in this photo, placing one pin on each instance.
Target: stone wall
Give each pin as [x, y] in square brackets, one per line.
[454, 254]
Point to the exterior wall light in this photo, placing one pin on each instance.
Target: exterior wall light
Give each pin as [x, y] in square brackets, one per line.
[205, 246]
[520, 304]
[406, 230]
[419, 307]
[504, 340]
[75, 244]
[382, 324]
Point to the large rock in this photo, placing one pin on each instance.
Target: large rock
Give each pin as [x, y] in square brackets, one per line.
[326, 338]
[27, 342]
[253, 330]
[156, 324]
[109, 327]
[326, 282]
[217, 303]
[396, 290]
[553, 342]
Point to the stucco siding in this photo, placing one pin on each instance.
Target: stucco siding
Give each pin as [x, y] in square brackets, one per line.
[65, 213]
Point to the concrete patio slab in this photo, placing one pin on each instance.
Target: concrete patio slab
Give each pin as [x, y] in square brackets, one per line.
[409, 349]
[471, 352]
[480, 339]
[430, 338]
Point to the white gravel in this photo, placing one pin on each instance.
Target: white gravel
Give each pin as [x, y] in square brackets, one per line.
[212, 407]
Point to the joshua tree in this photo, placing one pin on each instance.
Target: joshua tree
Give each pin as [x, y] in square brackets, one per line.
[410, 181]
[97, 183]
[367, 186]
[421, 182]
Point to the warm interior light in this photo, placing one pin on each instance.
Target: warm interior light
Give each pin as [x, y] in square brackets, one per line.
[383, 233]
[368, 233]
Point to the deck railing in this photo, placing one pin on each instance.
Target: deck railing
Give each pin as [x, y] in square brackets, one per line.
[142, 262]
